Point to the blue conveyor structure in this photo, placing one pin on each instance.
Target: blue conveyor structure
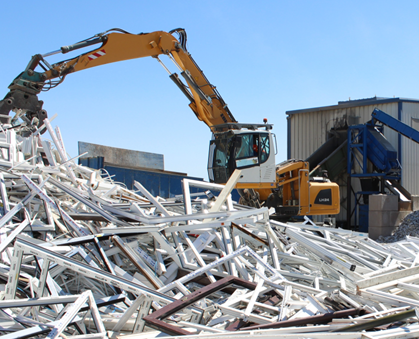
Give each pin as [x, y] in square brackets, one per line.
[367, 143]
[396, 125]
[372, 145]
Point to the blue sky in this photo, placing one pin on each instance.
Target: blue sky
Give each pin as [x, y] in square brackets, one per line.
[265, 58]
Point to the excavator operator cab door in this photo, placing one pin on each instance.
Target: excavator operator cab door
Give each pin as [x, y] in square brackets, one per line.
[249, 151]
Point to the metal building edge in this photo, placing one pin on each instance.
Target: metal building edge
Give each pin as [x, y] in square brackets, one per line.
[353, 103]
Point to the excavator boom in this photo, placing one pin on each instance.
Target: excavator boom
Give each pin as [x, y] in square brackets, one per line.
[117, 45]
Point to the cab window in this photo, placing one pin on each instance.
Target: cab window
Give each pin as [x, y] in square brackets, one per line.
[247, 150]
[264, 148]
[247, 147]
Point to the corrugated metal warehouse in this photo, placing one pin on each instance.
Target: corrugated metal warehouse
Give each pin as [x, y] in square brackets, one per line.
[310, 128]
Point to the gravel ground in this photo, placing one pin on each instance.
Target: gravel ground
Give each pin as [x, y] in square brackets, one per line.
[408, 226]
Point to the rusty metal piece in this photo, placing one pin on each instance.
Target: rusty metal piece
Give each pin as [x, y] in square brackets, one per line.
[154, 320]
[238, 324]
[128, 253]
[250, 234]
[379, 322]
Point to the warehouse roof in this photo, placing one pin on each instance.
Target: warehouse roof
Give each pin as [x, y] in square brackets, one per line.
[353, 103]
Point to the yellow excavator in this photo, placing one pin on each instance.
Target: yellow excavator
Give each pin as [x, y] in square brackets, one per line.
[248, 147]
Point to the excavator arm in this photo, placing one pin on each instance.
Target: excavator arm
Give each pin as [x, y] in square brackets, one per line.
[116, 45]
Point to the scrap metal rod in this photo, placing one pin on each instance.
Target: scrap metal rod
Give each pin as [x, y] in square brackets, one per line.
[315, 319]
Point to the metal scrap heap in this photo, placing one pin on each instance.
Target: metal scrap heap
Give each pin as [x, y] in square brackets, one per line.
[84, 257]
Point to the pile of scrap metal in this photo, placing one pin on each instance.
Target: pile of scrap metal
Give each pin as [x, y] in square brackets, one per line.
[84, 257]
[409, 226]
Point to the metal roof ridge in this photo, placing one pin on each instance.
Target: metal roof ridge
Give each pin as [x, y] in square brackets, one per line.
[352, 103]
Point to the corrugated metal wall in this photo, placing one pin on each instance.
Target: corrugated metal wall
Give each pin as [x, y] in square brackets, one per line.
[158, 184]
[308, 131]
[410, 149]
[162, 184]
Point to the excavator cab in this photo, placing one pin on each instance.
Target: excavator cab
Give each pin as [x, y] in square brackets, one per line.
[242, 146]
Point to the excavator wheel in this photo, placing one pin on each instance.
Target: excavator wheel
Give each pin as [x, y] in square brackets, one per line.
[249, 197]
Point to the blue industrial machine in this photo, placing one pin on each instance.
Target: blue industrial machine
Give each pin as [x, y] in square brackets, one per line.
[377, 159]
[367, 142]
